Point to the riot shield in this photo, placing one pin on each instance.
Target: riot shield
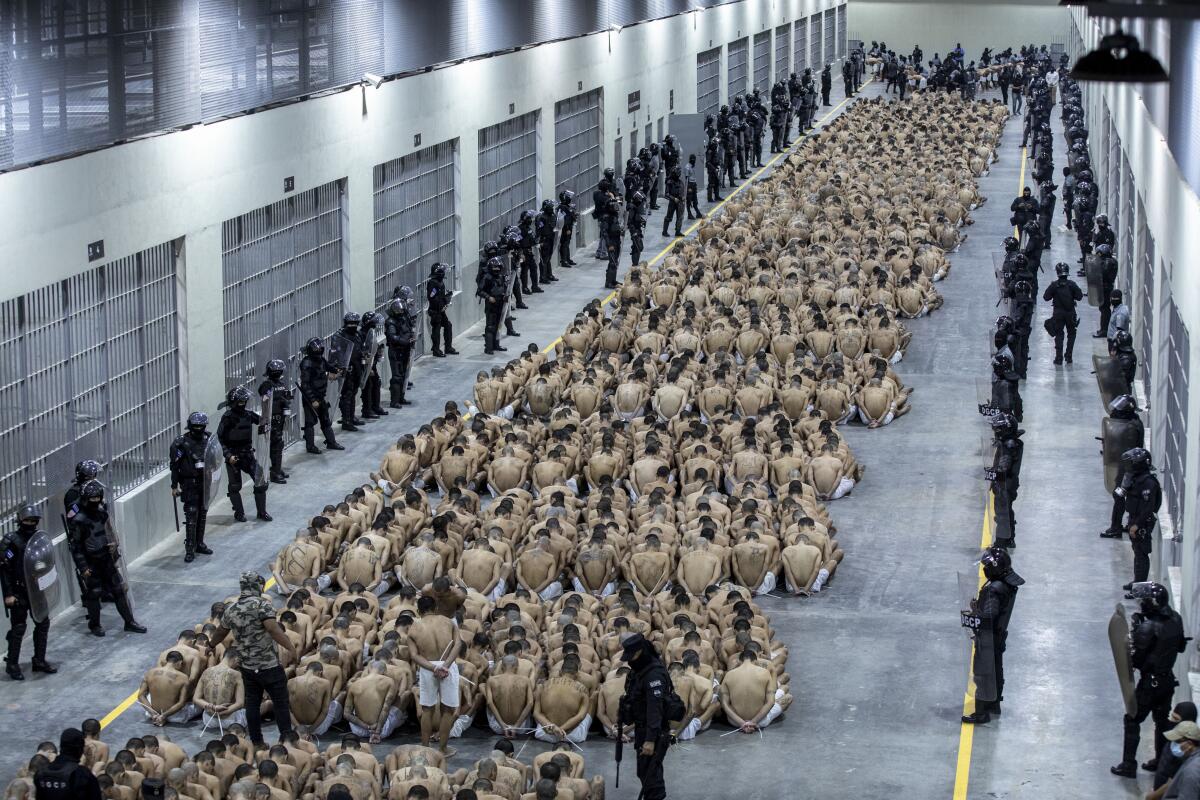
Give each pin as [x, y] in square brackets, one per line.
[272, 347]
[1003, 304]
[980, 643]
[983, 397]
[117, 551]
[214, 469]
[1118, 640]
[1093, 270]
[341, 351]
[41, 576]
[374, 347]
[262, 442]
[1110, 378]
[1117, 436]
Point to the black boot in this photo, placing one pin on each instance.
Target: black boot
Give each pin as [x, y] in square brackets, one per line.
[310, 443]
[42, 665]
[260, 505]
[347, 425]
[331, 444]
[521, 305]
[278, 478]
[379, 412]
[509, 330]
[40, 634]
[1126, 769]
[239, 512]
[189, 542]
[201, 547]
[131, 624]
[13, 669]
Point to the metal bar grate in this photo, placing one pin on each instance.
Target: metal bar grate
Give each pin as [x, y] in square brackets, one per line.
[508, 184]
[708, 82]
[738, 68]
[578, 131]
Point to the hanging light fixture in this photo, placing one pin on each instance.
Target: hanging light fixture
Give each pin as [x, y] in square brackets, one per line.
[1119, 59]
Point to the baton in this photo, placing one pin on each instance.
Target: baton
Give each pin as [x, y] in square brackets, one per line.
[175, 505]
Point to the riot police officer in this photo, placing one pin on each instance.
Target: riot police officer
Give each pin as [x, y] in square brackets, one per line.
[757, 119]
[1006, 393]
[606, 188]
[826, 85]
[778, 116]
[315, 372]
[236, 435]
[645, 706]
[671, 154]
[1128, 428]
[353, 376]
[546, 228]
[510, 245]
[728, 145]
[1108, 279]
[529, 269]
[675, 202]
[95, 552]
[188, 464]
[494, 291]
[1143, 497]
[1064, 293]
[654, 175]
[712, 168]
[437, 300]
[993, 607]
[18, 602]
[635, 223]
[632, 178]
[400, 332]
[613, 233]
[372, 384]
[1156, 638]
[277, 399]
[85, 471]
[1005, 476]
[1122, 349]
[570, 214]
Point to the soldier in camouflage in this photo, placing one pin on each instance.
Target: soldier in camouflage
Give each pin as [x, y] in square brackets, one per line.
[251, 619]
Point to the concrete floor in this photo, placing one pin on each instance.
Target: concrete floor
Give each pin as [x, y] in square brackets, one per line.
[879, 663]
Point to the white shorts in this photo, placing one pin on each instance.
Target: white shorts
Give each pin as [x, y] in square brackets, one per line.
[886, 419]
[608, 589]
[498, 592]
[438, 692]
[460, 725]
[181, 717]
[551, 592]
[692, 728]
[769, 581]
[498, 729]
[775, 711]
[395, 718]
[578, 735]
[219, 723]
[843, 488]
[322, 727]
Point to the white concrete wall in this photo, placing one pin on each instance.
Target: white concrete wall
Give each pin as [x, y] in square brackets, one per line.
[182, 186]
[1173, 220]
[937, 26]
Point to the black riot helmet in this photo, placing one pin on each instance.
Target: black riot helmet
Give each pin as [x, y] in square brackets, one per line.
[314, 347]
[1062, 270]
[566, 197]
[527, 217]
[86, 470]
[370, 320]
[438, 270]
[1003, 423]
[670, 139]
[1136, 459]
[92, 491]
[547, 206]
[610, 173]
[275, 368]
[1010, 244]
[495, 265]
[654, 148]
[28, 516]
[633, 165]
[1104, 249]
[724, 109]
[1004, 322]
[238, 397]
[197, 421]
[351, 319]
[1002, 365]
[1122, 340]
[996, 563]
[490, 248]
[395, 307]
[1123, 406]
[1102, 221]
[1021, 261]
[1151, 596]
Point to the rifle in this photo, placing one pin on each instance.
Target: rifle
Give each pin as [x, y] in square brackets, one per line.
[620, 740]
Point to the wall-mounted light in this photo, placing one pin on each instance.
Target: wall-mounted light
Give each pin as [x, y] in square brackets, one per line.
[371, 78]
[611, 30]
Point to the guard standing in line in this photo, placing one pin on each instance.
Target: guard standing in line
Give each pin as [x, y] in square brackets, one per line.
[510, 245]
[1121, 347]
[400, 331]
[315, 372]
[778, 116]
[712, 166]
[826, 85]
[529, 268]
[848, 78]
[19, 599]
[728, 143]
[1127, 427]
[671, 154]
[795, 106]
[372, 384]
[1064, 293]
[353, 377]
[1156, 639]
[274, 391]
[85, 471]
[758, 121]
[1108, 271]
[632, 178]
[635, 223]
[654, 175]
[494, 291]
[95, 553]
[1005, 476]
[188, 464]
[613, 233]
[693, 188]
[566, 206]
[645, 705]
[236, 435]
[437, 298]
[994, 606]
[1143, 498]
[1006, 392]
[675, 203]
[545, 227]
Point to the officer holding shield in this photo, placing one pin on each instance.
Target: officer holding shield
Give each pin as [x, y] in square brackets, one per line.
[992, 609]
[23, 597]
[195, 461]
[276, 401]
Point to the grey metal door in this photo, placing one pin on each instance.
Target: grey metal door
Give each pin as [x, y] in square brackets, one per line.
[800, 43]
[830, 36]
[708, 81]
[841, 30]
[578, 131]
[282, 275]
[816, 58]
[738, 68]
[762, 62]
[783, 52]
[508, 178]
